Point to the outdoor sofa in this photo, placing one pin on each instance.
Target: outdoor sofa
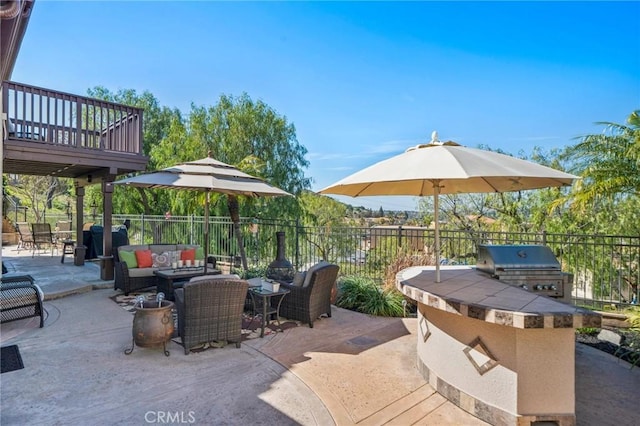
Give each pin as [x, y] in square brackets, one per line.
[135, 264]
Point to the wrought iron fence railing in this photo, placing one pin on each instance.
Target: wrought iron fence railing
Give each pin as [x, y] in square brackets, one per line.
[605, 268]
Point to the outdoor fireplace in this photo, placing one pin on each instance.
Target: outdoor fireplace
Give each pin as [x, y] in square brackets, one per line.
[280, 269]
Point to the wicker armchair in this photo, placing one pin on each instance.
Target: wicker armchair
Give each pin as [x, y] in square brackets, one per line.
[210, 309]
[313, 298]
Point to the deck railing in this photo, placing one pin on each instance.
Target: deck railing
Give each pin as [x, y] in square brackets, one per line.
[49, 116]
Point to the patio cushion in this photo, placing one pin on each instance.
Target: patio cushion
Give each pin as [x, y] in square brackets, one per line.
[160, 248]
[186, 246]
[199, 253]
[189, 254]
[310, 271]
[141, 272]
[161, 260]
[214, 277]
[174, 255]
[128, 257]
[298, 279]
[144, 258]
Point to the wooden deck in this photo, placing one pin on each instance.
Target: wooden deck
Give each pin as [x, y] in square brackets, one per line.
[58, 134]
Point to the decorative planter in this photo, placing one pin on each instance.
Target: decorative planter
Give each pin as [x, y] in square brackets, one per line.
[152, 326]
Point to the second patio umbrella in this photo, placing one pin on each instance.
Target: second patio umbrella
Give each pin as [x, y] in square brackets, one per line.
[206, 175]
[447, 168]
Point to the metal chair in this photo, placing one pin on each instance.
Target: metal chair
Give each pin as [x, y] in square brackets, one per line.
[63, 230]
[42, 236]
[26, 237]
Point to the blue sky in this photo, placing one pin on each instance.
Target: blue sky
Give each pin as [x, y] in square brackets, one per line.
[361, 81]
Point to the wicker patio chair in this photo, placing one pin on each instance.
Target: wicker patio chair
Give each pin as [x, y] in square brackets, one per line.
[313, 298]
[210, 310]
[20, 298]
[42, 236]
[26, 237]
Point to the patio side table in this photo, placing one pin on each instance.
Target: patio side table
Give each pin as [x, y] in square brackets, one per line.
[262, 299]
[68, 247]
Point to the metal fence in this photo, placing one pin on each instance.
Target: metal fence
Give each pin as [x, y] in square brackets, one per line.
[605, 268]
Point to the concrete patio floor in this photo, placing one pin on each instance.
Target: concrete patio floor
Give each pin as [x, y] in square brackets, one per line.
[349, 369]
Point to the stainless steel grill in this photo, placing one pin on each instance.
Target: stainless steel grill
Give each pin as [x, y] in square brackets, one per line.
[531, 267]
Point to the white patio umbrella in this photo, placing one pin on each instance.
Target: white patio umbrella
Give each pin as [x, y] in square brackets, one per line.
[207, 175]
[447, 168]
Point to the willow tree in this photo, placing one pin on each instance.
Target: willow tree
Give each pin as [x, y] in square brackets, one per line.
[160, 123]
[253, 137]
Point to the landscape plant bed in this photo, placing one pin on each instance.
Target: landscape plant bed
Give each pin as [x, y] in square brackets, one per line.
[630, 343]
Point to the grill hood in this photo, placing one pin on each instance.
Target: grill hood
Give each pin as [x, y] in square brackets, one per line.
[495, 258]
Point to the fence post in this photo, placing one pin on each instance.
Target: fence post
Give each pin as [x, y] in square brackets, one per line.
[191, 230]
[399, 236]
[297, 253]
[142, 228]
[544, 237]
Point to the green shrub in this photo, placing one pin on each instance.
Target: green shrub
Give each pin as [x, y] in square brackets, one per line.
[365, 295]
[633, 317]
[591, 331]
[252, 272]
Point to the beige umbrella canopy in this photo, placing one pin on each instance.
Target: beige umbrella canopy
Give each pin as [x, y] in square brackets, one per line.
[207, 175]
[447, 168]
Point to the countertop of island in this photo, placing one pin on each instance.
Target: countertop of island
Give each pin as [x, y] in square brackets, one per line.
[465, 291]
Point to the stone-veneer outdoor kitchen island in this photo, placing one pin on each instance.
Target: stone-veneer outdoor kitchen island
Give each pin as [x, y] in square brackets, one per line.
[504, 354]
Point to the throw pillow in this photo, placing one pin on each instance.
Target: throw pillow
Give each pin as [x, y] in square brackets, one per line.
[144, 258]
[199, 253]
[298, 279]
[129, 258]
[189, 254]
[174, 256]
[161, 260]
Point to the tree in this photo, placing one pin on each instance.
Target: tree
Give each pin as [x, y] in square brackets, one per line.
[37, 190]
[520, 211]
[329, 219]
[159, 123]
[609, 163]
[251, 136]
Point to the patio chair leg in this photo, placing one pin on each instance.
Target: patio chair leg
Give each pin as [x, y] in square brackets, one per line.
[129, 350]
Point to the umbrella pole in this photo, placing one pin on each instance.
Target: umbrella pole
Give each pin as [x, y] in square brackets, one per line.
[436, 207]
[206, 231]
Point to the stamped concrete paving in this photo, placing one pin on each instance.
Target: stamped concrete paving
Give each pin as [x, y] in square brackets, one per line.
[350, 369]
